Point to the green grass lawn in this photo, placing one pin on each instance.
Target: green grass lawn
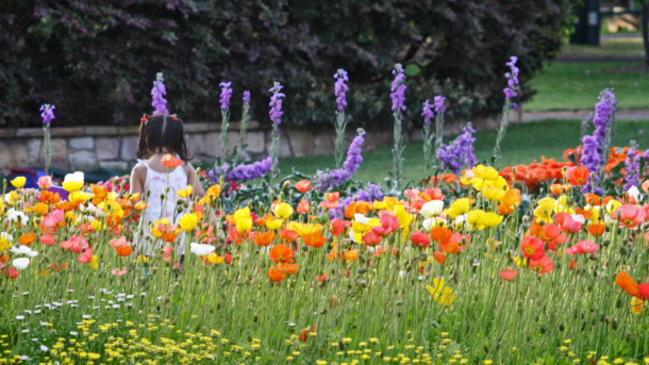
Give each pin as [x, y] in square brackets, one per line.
[523, 143]
[574, 81]
[575, 85]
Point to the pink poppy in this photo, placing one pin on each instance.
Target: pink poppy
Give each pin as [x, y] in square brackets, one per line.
[86, 256]
[583, 247]
[119, 242]
[45, 182]
[76, 244]
[630, 216]
[48, 239]
[167, 253]
[568, 223]
[120, 272]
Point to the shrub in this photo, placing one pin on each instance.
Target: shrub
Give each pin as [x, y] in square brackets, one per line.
[96, 59]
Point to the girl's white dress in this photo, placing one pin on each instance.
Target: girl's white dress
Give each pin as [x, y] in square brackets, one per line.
[161, 203]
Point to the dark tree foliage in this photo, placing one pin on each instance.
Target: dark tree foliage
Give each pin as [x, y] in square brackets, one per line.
[96, 60]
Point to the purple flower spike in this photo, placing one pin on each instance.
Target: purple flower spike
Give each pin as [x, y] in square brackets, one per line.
[595, 146]
[340, 89]
[460, 153]
[251, 171]
[226, 95]
[246, 97]
[440, 104]
[398, 89]
[511, 91]
[276, 99]
[427, 112]
[158, 92]
[632, 165]
[47, 113]
[329, 180]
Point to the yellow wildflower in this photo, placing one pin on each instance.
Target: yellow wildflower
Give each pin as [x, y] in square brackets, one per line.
[441, 293]
[188, 222]
[283, 210]
[18, 182]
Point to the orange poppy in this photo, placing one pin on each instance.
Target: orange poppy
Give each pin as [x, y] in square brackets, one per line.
[288, 235]
[40, 209]
[440, 257]
[288, 268]
[593, 199]
[170, 162]
[597, 229]
[360, 207]
[263, 238]
[27, 238]
[276, 275]
[625, 281]
[281, 253]
[124, 250]
[351, 255]
[316, 239]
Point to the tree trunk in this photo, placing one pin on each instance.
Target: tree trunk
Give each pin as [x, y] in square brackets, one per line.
[645, 30]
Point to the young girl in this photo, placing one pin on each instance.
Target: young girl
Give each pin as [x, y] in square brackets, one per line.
[161, 135]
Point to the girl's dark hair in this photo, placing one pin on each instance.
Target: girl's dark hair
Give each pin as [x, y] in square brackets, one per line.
[162, 131]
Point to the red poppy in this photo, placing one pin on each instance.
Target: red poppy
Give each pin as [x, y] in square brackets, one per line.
[125, 250]
[338, 226]
[420, 239]
[288, 235]
[533, 248]
[577, 175]
[371, 238]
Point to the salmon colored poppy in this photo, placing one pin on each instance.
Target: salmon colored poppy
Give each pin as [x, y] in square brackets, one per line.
[288, 235]
[557, 189]
[303, 207]
[263, 238]
[630, 215]
[170, 162]
[542, 266]
[281, 253]
[371, 238]
[304, 186]
[508, 274]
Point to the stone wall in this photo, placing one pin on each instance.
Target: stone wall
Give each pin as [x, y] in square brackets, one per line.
[114, 148]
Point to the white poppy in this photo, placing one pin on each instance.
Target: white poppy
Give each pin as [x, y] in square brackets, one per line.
[635, 193]
[17, 216]
[360, 218]
[432, 208]
[431, 223]
[201, 249]
[21, 263]
[24, 250]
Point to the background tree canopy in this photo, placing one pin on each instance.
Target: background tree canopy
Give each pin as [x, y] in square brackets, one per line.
[96, 60]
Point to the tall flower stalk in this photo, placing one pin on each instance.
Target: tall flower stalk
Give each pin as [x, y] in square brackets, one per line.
[460, 153]
[47, 116]
[224, 101]
[596, 145]
[158, 93]
[511, 92]
[243, 126]
[341, 88]
[428, 115]
[398, 98]
[331, 179]
[275, 114]
[440, 112]
[632, 167]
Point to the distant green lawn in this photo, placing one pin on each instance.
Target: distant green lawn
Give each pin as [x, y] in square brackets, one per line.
[523, 143]
[575, 85]
[609, 47]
